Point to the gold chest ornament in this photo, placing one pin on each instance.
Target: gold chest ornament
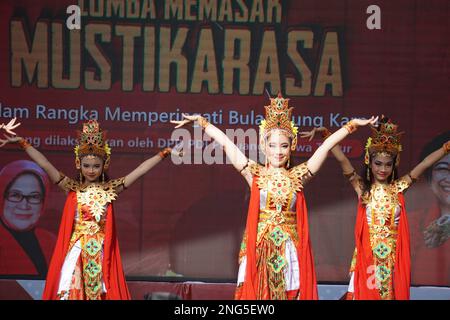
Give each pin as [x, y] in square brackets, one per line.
[96, 197]
[280, 183]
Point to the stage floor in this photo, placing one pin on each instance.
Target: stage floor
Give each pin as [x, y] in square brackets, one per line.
[32, 290]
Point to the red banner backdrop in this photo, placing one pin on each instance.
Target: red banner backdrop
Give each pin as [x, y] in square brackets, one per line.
[135, 65]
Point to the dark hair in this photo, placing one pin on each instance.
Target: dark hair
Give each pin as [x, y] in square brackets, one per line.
[432, 146]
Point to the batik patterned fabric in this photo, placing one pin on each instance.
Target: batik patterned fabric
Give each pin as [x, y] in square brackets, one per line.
[277, 238]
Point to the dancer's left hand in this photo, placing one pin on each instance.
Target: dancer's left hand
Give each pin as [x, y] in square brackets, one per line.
[10, 126]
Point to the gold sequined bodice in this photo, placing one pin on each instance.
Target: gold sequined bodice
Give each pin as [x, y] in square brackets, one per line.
[382, 208]
[383, 215]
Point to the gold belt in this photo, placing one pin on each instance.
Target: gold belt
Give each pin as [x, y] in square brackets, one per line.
[286, 217]
[382, 231]
[88, 227]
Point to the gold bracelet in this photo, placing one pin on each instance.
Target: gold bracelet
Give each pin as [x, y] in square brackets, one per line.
[24, 144]
[350, 126]
[203, 122]
[325, 134]
[446, 147]
[164, 153]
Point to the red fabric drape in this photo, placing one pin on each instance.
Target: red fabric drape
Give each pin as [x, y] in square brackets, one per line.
[308, 284]
[364, 271]
[113, 274]
[14, 260]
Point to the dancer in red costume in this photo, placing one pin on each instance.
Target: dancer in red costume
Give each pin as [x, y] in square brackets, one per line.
[276, 260]
[381, 267]
[86, 262]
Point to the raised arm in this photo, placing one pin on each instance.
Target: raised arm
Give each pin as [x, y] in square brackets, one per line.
[317, 159]
[346, 166]
[36, 156]
[145, 166]
[347, 169]
[236, 156]
[428, 162]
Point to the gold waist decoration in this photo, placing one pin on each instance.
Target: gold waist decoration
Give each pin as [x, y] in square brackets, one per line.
[275, 217]
[382, 231]
[88, 228]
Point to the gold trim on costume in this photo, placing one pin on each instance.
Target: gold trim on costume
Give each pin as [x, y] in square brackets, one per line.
[279, 182]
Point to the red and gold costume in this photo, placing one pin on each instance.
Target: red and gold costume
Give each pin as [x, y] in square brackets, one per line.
[86, 263]
[381, 262]
[276, 260]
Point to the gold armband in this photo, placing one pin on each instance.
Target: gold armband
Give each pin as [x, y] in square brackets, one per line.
[24, 144]
[164, 153]
[203, 122]
[446, 147]
[350, 126]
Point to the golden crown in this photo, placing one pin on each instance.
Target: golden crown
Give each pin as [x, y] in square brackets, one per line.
[384, 139]
[278, 116]
[92, 141]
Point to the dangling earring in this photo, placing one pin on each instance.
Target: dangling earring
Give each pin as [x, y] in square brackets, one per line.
[368, 174]
[81, 178]
[289, 163]
[103, 177]
[266, 164]
[392, 179]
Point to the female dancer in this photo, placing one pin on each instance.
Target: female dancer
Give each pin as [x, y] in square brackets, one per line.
[86, 262]
[380, 267]
[276, 259]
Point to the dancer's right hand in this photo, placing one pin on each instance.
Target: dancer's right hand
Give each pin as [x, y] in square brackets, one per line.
[187, 119]
[10, 126]
[312, 133]
[364, 122]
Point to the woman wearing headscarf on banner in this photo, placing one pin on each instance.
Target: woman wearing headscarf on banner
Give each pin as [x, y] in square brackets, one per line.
[25, 249]
[276, 260]
[86, 262]
[381, 264]
[431, 227]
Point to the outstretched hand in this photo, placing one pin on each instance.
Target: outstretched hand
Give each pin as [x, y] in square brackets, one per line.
[10, 126]
[312, 133]
[9, 139]
[187, 119]
[364, 122]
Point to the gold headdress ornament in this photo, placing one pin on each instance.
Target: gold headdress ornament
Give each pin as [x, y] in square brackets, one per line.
[385, 139]
[92, 141]
[278, 116]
